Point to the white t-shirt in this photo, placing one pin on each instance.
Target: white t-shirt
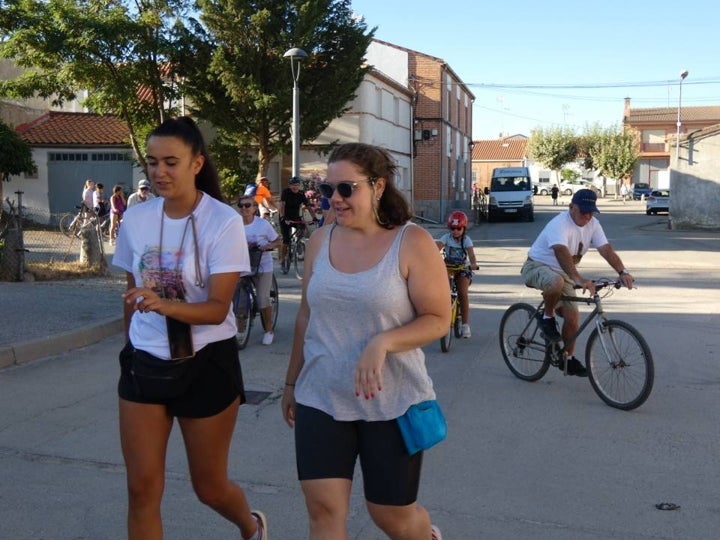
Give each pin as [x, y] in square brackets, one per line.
[260, 232]
[221, 246]
[134, 198]
[562, 230]
[454, 252]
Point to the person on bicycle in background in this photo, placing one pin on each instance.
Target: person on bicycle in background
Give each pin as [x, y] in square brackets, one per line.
[261, 235]
[291, 202]
[264, 197]
[552, 262]
[458, 250]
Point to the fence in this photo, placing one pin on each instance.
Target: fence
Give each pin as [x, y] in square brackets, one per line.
[30, 240]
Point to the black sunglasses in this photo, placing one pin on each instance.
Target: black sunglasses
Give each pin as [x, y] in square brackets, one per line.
[246, 205]
[456, 228]
[344, 189]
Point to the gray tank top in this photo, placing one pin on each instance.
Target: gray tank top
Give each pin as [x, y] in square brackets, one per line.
[346, 311]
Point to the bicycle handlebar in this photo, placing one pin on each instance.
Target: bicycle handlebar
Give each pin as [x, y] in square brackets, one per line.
[604, 282]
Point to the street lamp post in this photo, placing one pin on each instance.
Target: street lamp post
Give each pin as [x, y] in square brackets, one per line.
[679, 123]
[296, 56]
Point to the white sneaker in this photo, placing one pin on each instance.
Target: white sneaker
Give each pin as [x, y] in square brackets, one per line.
[466, 333]
[268, 338]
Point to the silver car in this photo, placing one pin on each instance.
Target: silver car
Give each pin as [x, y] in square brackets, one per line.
[657, 201]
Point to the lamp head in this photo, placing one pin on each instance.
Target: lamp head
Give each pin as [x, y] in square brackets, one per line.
[295, 54]
[683, 75]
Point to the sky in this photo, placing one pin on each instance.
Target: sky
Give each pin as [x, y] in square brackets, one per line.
[583, 59]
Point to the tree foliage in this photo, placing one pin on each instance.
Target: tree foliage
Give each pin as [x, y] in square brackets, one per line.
[553, 147]
[243, 85]
[116, 50]
[611, 151]
[15, 157]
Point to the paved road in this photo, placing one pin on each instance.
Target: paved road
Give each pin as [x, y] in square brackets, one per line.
[546, 460]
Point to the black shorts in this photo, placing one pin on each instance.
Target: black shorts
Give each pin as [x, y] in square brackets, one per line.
[216, 382]
[327, 448]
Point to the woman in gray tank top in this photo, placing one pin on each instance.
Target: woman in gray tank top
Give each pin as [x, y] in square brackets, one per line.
[375, 291]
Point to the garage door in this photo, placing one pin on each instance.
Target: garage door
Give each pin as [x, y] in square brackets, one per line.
[67, 172]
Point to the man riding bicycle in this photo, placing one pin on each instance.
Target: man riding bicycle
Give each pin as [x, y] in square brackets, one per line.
[291, 202]
[552, 262]
[458, 250]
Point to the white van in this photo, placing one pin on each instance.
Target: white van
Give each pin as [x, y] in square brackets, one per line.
[511, 194]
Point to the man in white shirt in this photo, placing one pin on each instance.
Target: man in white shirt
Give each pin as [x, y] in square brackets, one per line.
[552, 267]
[141, 195]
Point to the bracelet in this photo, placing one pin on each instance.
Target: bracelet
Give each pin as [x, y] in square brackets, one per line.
[623, 273]
[288, 384]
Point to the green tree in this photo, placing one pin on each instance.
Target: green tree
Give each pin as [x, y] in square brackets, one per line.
[241, 83]
[554, 147]
[15, 157]
[611, 151]
[118, 51]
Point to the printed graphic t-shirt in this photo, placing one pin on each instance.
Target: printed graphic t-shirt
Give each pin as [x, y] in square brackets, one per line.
[221, 248]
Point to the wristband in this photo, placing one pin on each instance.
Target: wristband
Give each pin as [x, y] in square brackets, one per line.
[288, 384]
[623, 273]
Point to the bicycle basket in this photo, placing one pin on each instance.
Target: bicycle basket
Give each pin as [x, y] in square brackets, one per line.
[255, 257]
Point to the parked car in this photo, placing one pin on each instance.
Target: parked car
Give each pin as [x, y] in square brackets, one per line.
[640, 189]
[657, 201]
[569, 188]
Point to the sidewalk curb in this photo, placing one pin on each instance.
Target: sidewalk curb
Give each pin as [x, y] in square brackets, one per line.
[25, 352]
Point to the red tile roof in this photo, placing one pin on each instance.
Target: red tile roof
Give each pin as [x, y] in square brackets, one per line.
[508, 149]
[73, 129]
[669, 115]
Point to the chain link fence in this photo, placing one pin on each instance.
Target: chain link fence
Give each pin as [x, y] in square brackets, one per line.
[31, 242]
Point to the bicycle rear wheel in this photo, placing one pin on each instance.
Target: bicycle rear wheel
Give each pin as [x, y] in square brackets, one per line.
[522, 347]
[446, 340]
[69, 225]
[244, 310]
[274, 300]
[620, 365]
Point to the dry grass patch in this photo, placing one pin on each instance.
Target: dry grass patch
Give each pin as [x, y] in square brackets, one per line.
[57, 270]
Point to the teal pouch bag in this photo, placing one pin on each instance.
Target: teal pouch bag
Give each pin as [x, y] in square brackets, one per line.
[422, 426]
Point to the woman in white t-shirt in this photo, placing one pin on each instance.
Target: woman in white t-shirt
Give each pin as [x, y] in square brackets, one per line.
[183, 253]
[261, 235]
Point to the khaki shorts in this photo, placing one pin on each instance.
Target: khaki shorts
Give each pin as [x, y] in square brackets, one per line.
[540, 276]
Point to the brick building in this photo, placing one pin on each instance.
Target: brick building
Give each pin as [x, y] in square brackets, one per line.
[442, 127]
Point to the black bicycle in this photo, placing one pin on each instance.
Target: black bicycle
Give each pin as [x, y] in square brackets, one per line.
[245, 306]
[619, 362]
[296, 249]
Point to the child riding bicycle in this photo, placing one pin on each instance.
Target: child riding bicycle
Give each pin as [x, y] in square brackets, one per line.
[458, 250]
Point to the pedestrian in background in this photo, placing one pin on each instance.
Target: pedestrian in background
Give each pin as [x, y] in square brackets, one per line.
[374, 292]
[142, 194]
[100, 203]
[117, 209]
[183, 253]
[554, 191]
[88, 196]
[292, 200]
[623, 192]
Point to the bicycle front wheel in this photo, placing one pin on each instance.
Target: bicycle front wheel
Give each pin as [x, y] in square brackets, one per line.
[620, 365]
[274, 300]
[299, 266]
[523, 349]
[243, 308]
[446, 340]
[285, 266]
[68, 224]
